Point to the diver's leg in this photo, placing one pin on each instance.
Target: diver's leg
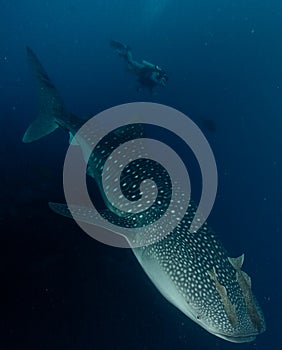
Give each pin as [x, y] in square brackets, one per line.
[132, 64]
[122, 49]
[125, 52]
[119, 47]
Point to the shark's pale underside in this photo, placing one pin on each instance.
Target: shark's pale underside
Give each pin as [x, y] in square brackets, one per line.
[192, 271]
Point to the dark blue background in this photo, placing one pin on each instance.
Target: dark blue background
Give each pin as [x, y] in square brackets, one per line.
[62, 290]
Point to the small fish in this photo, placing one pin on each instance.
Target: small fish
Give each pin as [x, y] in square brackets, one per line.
[192, 271]
[228, 306]
[245, 284]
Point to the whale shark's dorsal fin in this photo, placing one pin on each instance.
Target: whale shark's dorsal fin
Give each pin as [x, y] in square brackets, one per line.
[50, 103]
[237, 263]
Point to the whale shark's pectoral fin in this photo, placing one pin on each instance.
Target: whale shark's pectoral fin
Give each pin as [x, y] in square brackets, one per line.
[89, 216]
[61, 209]
[80, 213]
[72, 140]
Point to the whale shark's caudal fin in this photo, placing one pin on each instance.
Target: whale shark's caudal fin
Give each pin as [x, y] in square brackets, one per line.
[50, 103]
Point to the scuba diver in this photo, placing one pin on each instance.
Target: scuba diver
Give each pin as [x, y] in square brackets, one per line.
[148, 74]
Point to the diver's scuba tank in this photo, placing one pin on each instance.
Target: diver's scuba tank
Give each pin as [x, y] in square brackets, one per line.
[151, 65]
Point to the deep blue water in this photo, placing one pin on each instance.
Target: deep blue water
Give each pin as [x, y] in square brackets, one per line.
[60, 289]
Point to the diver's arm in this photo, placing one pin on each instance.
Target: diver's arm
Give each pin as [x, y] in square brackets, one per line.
[155, 77]
[125, 52]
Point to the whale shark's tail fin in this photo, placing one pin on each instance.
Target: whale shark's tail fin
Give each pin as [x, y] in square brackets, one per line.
[51, 107]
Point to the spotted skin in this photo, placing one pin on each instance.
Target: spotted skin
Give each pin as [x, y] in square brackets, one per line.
[180, 263]
[186, 259]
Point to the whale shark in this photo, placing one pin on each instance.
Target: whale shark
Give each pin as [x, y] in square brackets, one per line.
[193, 271]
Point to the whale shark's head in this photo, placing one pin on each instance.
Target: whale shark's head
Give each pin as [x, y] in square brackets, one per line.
[194, 273]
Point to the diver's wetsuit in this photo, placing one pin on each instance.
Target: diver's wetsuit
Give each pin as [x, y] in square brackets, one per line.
[148, 75]
[145, 77]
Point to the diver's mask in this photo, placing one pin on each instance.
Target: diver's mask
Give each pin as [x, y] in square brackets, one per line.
[162, 73]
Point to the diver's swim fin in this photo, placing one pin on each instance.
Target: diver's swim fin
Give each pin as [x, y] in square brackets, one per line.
[121, 49]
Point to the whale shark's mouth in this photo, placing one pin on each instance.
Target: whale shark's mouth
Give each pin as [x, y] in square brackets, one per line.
[237, 338]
